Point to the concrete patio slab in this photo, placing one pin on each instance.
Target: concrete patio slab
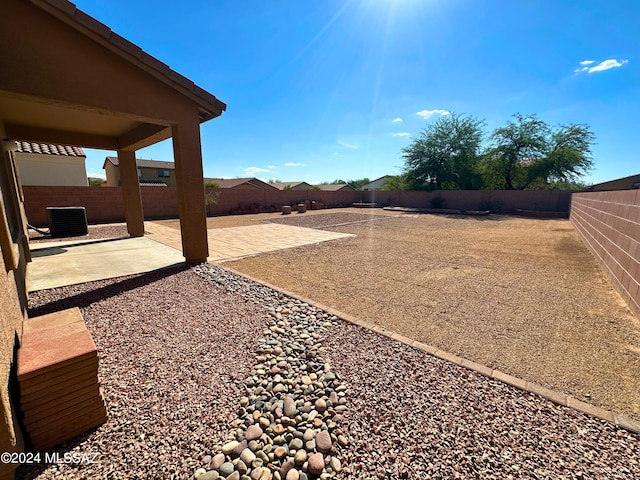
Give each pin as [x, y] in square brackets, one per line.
[68, 263]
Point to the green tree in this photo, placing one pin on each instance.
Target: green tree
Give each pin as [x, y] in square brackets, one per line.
[356, 184]
[445, 154]
[95, 182]
[397, 182]
[528, 153]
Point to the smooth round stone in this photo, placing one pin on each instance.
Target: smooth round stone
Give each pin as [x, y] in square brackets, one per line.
[293, 474]
[317, 422]
[323, 441]
[296, 444]
[226, 468]
[227, 448]
[305, 380]
[256, 473]
[300, 457]
[335, 464]
[309, 434]
[290, 409]
[315, 464]
[277, 351]
[262, 456]
[257, 463]
[216, 461]
[253, 432]
[310, 445]
[234, 476]
[321, 405]
[247, 456]
[279, 388]
[240, 466]
[342, 440]
[198, 473]
[278, 429]
[280, 452]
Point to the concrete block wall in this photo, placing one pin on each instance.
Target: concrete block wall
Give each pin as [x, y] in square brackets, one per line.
[104, 204]
[506, 200]
[609, 223]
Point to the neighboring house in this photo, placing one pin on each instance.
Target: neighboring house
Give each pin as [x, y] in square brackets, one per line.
[292, 185]
[626, 183]
[150, 172]
[240, 183]
[377, 184]
[336, 187]
[44, 164]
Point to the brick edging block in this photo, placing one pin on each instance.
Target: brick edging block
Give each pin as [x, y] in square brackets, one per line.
[551, 395]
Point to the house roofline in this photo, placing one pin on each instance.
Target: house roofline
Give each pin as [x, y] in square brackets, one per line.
[209, 106]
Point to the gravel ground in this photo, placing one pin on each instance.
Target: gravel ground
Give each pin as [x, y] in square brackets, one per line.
[95, 232]
[174, 351]
[175, 348]
[520, 295]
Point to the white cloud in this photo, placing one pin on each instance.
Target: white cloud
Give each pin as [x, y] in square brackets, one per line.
[254, 170]
[600, 67]
[271, 167]
[428, 113]
[401, 134]
[397, 120]
[292, 164]
[351, 146]
[607, 65]
[335, 153]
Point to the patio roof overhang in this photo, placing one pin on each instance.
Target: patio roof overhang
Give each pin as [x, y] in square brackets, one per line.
[68, 79]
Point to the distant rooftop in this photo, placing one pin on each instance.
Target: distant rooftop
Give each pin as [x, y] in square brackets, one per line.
[334, 187]
[142, 163]
[46, 149]
[234, 182]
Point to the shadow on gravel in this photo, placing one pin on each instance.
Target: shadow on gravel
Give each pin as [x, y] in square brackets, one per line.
[87, 298]
[61, 453]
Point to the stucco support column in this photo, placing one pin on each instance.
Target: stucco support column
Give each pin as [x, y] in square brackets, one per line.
[131, 196]
[187, 153]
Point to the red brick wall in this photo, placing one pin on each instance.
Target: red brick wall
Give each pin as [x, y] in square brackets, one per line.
[609, 223]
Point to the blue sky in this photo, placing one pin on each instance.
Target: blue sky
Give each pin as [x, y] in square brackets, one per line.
[324, 89]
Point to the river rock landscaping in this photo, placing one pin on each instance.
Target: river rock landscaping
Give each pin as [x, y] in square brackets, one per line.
[288, 425]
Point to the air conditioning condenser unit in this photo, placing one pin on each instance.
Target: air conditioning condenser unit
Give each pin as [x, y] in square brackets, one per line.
[67, 221]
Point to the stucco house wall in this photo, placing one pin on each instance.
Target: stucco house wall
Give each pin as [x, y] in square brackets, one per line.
[60, 166]
[149, 170]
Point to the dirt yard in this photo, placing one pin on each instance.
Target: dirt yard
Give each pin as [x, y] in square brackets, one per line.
[521, 295]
